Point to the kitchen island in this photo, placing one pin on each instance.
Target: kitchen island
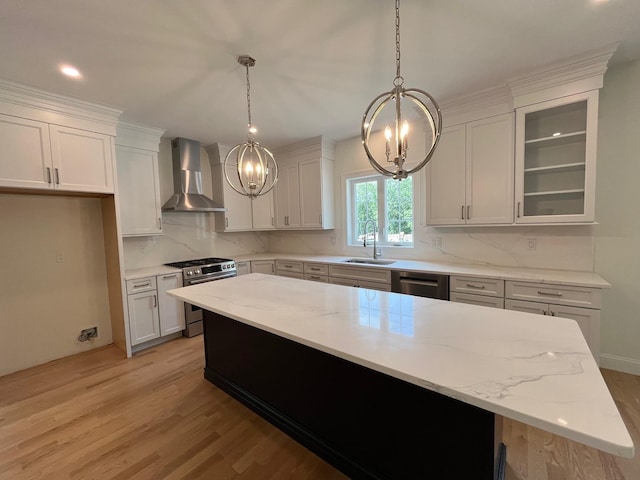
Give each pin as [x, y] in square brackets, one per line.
[383, 384]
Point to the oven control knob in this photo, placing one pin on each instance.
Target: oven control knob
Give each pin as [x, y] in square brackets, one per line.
[196, 272]
[224, 267]
[189, 273]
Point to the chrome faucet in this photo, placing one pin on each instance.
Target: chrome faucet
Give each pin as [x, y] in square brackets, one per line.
[376, 253]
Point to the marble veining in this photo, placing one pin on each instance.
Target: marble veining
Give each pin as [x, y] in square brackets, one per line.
[534, 369]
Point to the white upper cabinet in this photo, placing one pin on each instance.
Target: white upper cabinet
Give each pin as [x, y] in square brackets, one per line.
[82, 160]
[38, 155]
[138, 180]
[469, 180]
[26, 158]
[243, 214]
[556, 160]
[304, 192]
[52, 142]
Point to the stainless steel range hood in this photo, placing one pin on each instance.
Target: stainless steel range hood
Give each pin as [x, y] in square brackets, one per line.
[187, 180]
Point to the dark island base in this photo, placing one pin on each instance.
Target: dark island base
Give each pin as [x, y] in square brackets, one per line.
[367, 424]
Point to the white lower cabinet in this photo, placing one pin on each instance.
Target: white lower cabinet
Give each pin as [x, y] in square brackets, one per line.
[142, 301]
[486, 292]
[481, 300]
[263, 266]
[581, 304]
[243, 268]
[371, 278]
[171, 310]
[152, 312]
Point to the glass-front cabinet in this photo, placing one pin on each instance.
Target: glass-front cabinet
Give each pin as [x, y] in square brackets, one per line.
[556, 160]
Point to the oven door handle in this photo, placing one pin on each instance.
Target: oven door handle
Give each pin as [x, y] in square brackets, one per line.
[204, 280]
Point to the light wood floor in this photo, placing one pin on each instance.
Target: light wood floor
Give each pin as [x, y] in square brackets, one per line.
[100, 416]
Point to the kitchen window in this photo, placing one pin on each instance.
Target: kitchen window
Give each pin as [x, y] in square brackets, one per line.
[388, 202]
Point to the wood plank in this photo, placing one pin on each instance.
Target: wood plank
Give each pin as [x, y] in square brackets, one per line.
[98, 415]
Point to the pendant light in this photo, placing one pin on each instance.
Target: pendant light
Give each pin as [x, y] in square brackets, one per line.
[397, 136]
[253, 169]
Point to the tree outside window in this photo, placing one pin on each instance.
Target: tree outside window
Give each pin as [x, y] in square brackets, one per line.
[388, 202]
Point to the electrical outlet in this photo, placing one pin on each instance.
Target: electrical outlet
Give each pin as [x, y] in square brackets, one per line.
[141, 249]
[436, 242]
[532, 243]
[88, 334]
[60, 257]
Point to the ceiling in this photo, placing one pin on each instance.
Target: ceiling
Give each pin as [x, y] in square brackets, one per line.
[172, 64]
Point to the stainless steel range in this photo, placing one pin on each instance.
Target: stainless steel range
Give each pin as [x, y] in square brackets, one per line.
[200, 271]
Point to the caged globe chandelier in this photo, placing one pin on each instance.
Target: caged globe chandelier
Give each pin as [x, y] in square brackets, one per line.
[249, 168]
[396, 151]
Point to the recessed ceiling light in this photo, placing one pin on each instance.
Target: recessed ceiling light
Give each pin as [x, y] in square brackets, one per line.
[70, 71]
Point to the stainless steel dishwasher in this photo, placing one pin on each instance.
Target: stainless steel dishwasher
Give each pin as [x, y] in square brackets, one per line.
[420, 284]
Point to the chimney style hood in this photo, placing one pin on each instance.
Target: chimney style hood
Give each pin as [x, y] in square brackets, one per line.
[187, 180]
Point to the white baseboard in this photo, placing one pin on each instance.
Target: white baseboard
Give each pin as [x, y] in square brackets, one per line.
[621, 364]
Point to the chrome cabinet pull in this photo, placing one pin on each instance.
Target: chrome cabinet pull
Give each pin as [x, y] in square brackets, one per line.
[315, 277]
[140, 285]
[48, 175]
[288, 266]
[272, 223]
[57, 175]
[315, 269]
[462, 214]
[518, 210]
[481, 287]
[226, 222]
[544, 312]
[468, 212]
[320, 219]
[155, 301]
[553, 314]
[160, 223]
[170, 276]
[553, 294]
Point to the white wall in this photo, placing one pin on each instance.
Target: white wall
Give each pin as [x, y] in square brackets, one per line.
[187, 235]
[44, 303]
[617, 237]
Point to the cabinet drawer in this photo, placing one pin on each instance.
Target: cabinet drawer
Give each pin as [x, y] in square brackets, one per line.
[141, 285]
[372, 274]
[482, 300]
[297, 275]
[284, 266]
[554, 294]
[479, 286]
[316, 268]
[316, 278]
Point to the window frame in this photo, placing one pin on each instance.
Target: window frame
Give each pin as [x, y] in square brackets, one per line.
[350, 181]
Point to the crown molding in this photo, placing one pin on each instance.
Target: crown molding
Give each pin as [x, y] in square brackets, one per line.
[577, 74]
[138, 136]
[29, 102]
[485, 103]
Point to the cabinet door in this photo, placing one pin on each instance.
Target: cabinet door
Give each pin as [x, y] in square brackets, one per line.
[556, 160]
[263, 212]
[587, 319]
[26, 153]
[480, 300]
[138, 191]
[489, 170]
[287, 195]
[263, 266]
[82, 160]
[310, 194]
[243, 268]
[143, 317]
[170, 309]
[445, 179]
[527, 307]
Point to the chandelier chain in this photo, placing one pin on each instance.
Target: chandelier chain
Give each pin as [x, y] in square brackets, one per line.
[248, 96]
[398, 40]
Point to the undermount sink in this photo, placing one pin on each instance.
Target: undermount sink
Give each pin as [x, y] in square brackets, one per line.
[369, 261]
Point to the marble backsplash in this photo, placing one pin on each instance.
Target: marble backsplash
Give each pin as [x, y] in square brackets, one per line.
[555, 247]
[188, 236]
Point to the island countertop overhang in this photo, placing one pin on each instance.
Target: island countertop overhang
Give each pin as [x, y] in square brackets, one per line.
[529, 368]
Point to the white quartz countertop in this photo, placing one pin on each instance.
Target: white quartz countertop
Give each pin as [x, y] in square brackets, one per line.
[556, 277]
[531, 368]
[135, 273]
